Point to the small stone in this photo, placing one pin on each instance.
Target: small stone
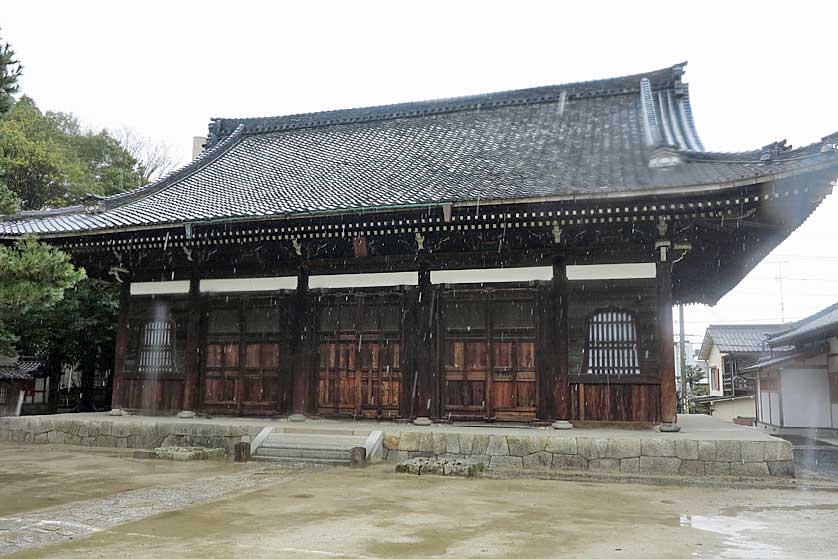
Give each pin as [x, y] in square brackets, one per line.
[623, 448]
[659, 465]
[145, 455]
[497, 446]
[569, 462]
[518, 446]
[409, 441]
[669, 428]
[749, 469]
[728, 451]
[562, 425]
[506, 461]
[783, 468]
[538, 459]
[423, 421]
[116, 412]
[630, 465]
[691, 468]
[717, 468]
[753, 451]
[296, 417]
[561, 445]
[658, 447]
[778, 451]
[604, 465]
[391, 441]
[686, 450]
[479, 444]
[186, 414]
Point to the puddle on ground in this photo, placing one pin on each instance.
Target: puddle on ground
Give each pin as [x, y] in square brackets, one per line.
[736, 535]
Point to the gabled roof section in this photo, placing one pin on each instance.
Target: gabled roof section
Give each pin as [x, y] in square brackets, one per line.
[820, 324]
[24, 369]
[620, 137]
[737, 338]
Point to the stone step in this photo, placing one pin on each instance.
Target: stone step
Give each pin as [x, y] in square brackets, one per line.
[283, 440]
[328, 454]
[286, 460]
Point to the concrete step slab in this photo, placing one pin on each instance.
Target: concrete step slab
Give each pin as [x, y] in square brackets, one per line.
[304, 453]
[282, 460]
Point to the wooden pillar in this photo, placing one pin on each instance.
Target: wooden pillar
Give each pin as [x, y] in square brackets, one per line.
[423, 403]
[192, 357]
[666, 349]
[560, 397]
[121, 346]
[299, 347]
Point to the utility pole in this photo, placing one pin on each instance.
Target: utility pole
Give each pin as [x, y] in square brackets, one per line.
[683, 361]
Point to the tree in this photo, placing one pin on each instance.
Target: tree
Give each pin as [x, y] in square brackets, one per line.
[49, 160]
[694, 376]
[156, 159]
[78, 331]
[33, 277]
[10, 71]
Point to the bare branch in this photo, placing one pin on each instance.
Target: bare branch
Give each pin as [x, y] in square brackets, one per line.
[156, 159]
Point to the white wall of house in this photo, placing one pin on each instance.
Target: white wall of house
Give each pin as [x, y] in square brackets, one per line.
[715, 359]
[805, 395]
[728, 410]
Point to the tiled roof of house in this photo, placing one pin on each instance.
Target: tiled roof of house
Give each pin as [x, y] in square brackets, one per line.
[737, 338]
[823, 323]
[614, 137]
[24, 369]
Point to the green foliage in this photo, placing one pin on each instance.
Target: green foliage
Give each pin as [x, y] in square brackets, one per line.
[49, 160]
[33, 277]
[694, 375]
[10, 70]
[83, 321]
[9, 202]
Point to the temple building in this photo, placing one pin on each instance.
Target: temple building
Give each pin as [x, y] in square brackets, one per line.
[505, 256]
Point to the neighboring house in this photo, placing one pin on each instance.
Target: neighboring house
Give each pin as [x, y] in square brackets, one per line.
[17, 383]
[797, 385]
[727, 349]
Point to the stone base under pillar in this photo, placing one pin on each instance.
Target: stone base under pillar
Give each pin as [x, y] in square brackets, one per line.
[297, 417]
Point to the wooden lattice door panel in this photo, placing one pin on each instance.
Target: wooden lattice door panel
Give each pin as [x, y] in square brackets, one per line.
[222, 373]
[243, 352]
[466, 370]
[360, 355]
[260, 374]
[513, 376]
[489, 361]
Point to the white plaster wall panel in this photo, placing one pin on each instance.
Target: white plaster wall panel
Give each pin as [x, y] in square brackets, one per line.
[493, 275]
[805, 398]
[632, 270]
[159, 287]
[233, 285]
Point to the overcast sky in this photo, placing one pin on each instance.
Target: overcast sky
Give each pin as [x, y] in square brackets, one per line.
[758, 72]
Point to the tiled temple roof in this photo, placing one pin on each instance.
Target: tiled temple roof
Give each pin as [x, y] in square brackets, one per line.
[24, 369]
[627, 136]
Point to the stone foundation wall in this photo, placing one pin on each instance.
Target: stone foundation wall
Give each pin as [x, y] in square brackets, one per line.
[670, 456]
[122, 434]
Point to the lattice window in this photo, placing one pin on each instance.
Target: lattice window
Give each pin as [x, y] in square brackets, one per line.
[157, 354]
[4, 394]
[612, 343]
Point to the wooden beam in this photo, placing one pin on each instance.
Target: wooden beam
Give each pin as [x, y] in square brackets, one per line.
[300, 333]
[560, 387]
[666, 350]
[121, 346]
[424, 404]
[192, 361]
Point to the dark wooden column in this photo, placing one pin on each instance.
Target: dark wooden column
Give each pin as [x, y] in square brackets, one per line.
[560, 396]
[424, 404]
[192, 355]
[299, 347]
[121, 346]
[666, 355]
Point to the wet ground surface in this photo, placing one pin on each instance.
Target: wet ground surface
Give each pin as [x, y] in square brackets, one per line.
[375, 513]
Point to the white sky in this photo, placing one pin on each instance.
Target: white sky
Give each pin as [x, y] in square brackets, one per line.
[758, 72]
